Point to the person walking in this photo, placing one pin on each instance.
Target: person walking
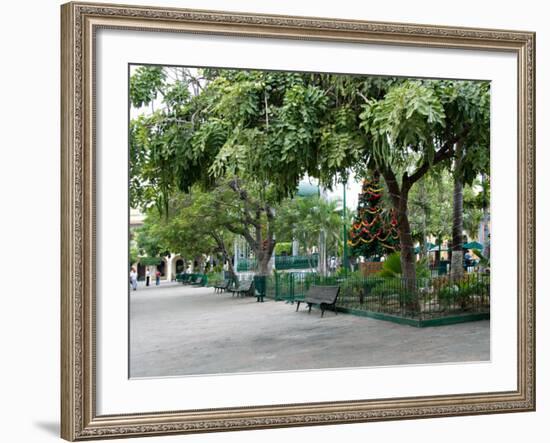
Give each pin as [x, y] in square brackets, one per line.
[133, 278]
[147, 277]
[158, 278]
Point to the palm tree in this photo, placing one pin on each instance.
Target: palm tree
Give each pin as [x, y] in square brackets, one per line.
[313, 221]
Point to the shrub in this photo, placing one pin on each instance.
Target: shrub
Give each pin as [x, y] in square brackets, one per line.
[391, 267]
[460, 291]
[283, 248]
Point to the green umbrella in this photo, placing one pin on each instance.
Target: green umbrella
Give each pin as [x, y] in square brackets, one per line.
[473, 245]
[429, 247]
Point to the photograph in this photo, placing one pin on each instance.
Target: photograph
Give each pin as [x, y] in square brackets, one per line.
[273, 221]
[288, 220]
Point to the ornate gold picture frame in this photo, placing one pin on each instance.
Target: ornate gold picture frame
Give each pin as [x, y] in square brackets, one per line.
[80, 23]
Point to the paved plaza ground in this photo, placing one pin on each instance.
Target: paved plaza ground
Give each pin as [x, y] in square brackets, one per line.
[180, 330]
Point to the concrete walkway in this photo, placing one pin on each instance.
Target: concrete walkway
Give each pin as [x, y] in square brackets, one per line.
[178, 330]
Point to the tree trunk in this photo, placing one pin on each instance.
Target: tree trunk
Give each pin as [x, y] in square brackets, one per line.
[424, 203]
[200, 263]
[264, 252]
[423, 246]
[263, 265]
[400, 199]
[226, 256]
[231, 269]
[322, 265]
[408, 265]
[295, 247]
[486, 241]
[457, 255]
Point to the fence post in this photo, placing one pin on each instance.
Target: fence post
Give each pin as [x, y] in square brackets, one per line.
[291, 286]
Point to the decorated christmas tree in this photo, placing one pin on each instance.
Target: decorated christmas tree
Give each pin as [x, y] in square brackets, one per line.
[374, 229]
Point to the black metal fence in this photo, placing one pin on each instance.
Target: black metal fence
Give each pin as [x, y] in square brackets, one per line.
[421, 298]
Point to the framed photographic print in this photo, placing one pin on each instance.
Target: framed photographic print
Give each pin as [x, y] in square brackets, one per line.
[277, 221]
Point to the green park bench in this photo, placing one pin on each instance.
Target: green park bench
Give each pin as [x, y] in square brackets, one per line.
[324, 296]
[200, 280]
[243, 288]
[193, 278]
[182, 278]
[222, 286]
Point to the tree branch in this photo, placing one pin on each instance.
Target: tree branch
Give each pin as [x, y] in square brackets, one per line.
[393, 186]
[241, 231]
[362, 96]
[441, 155]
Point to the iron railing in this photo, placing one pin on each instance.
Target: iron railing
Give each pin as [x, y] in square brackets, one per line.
[282, 262]
[422, 298]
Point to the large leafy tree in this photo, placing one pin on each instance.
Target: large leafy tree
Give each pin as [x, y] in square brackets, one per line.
[324, 125]
[417, 126]
[170, 147]
[192, 228]
[230, 208]
[273, 128]
[173, 148]
[150, 237]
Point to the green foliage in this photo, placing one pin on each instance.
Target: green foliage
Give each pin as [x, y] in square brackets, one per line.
[385, 287]
[405, 119]
[422, 269]
[303, 218]
[473, 200]
[463, 292]
[483, 260]
[270, 129]
[150, 237]
[391, 267]
[214, 277]
[467, 110]
[150, 261]
[145, 85]
[169, 150]
[341, 272]
[431, 206]
[283, 248]
[276, 127]
[133, 255]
